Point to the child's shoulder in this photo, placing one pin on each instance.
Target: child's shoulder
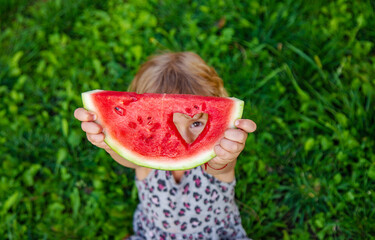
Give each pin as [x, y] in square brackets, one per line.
[141, 173]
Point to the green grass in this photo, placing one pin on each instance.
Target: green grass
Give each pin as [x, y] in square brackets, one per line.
[305, 70]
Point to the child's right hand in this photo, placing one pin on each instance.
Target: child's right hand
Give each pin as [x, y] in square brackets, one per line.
[95, 135]
[94, 131]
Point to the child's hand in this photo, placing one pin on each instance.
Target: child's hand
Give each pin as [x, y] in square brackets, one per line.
[94, 131]
[232, 144]
[95, 135]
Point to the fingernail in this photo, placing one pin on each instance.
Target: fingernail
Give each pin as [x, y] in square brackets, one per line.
[237, 123]
[93, 116]
[254, 126]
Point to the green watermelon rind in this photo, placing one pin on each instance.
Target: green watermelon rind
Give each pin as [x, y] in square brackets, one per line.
[186, 163]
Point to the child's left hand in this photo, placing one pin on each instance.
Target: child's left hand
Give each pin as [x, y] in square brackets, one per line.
[232, 144]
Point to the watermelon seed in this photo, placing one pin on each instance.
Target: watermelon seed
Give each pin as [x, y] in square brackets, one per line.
[148, 140]
[196, 107]
[127, 101]
[132, 125]
[166, 138]
[155, 127]
[139, 119]
[120, 111]
[142, 137]
[148, 118]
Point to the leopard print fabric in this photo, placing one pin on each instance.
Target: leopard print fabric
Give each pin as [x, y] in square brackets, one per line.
[199, 207]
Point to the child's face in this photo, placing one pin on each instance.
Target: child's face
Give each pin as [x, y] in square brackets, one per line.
[190, 128]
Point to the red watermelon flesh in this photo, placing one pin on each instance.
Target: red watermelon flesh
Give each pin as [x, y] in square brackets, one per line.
[140, 128]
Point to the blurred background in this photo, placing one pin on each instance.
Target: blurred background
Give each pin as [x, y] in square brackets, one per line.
[305, 69]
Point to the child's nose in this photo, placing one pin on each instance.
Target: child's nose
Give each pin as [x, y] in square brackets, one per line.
[186, 135]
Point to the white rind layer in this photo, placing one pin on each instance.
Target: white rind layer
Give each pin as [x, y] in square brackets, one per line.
[180, 164]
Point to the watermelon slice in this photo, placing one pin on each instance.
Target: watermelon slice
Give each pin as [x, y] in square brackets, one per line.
[140, 128]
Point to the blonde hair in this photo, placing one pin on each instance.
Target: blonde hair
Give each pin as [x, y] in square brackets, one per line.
[178, 73]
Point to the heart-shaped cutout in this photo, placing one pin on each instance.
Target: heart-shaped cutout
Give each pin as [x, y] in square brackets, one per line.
[190, 127]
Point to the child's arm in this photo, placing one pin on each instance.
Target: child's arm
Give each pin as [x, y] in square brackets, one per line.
[228, 149]
[95, 135]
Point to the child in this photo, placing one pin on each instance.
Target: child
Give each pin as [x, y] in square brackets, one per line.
[192, 204]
